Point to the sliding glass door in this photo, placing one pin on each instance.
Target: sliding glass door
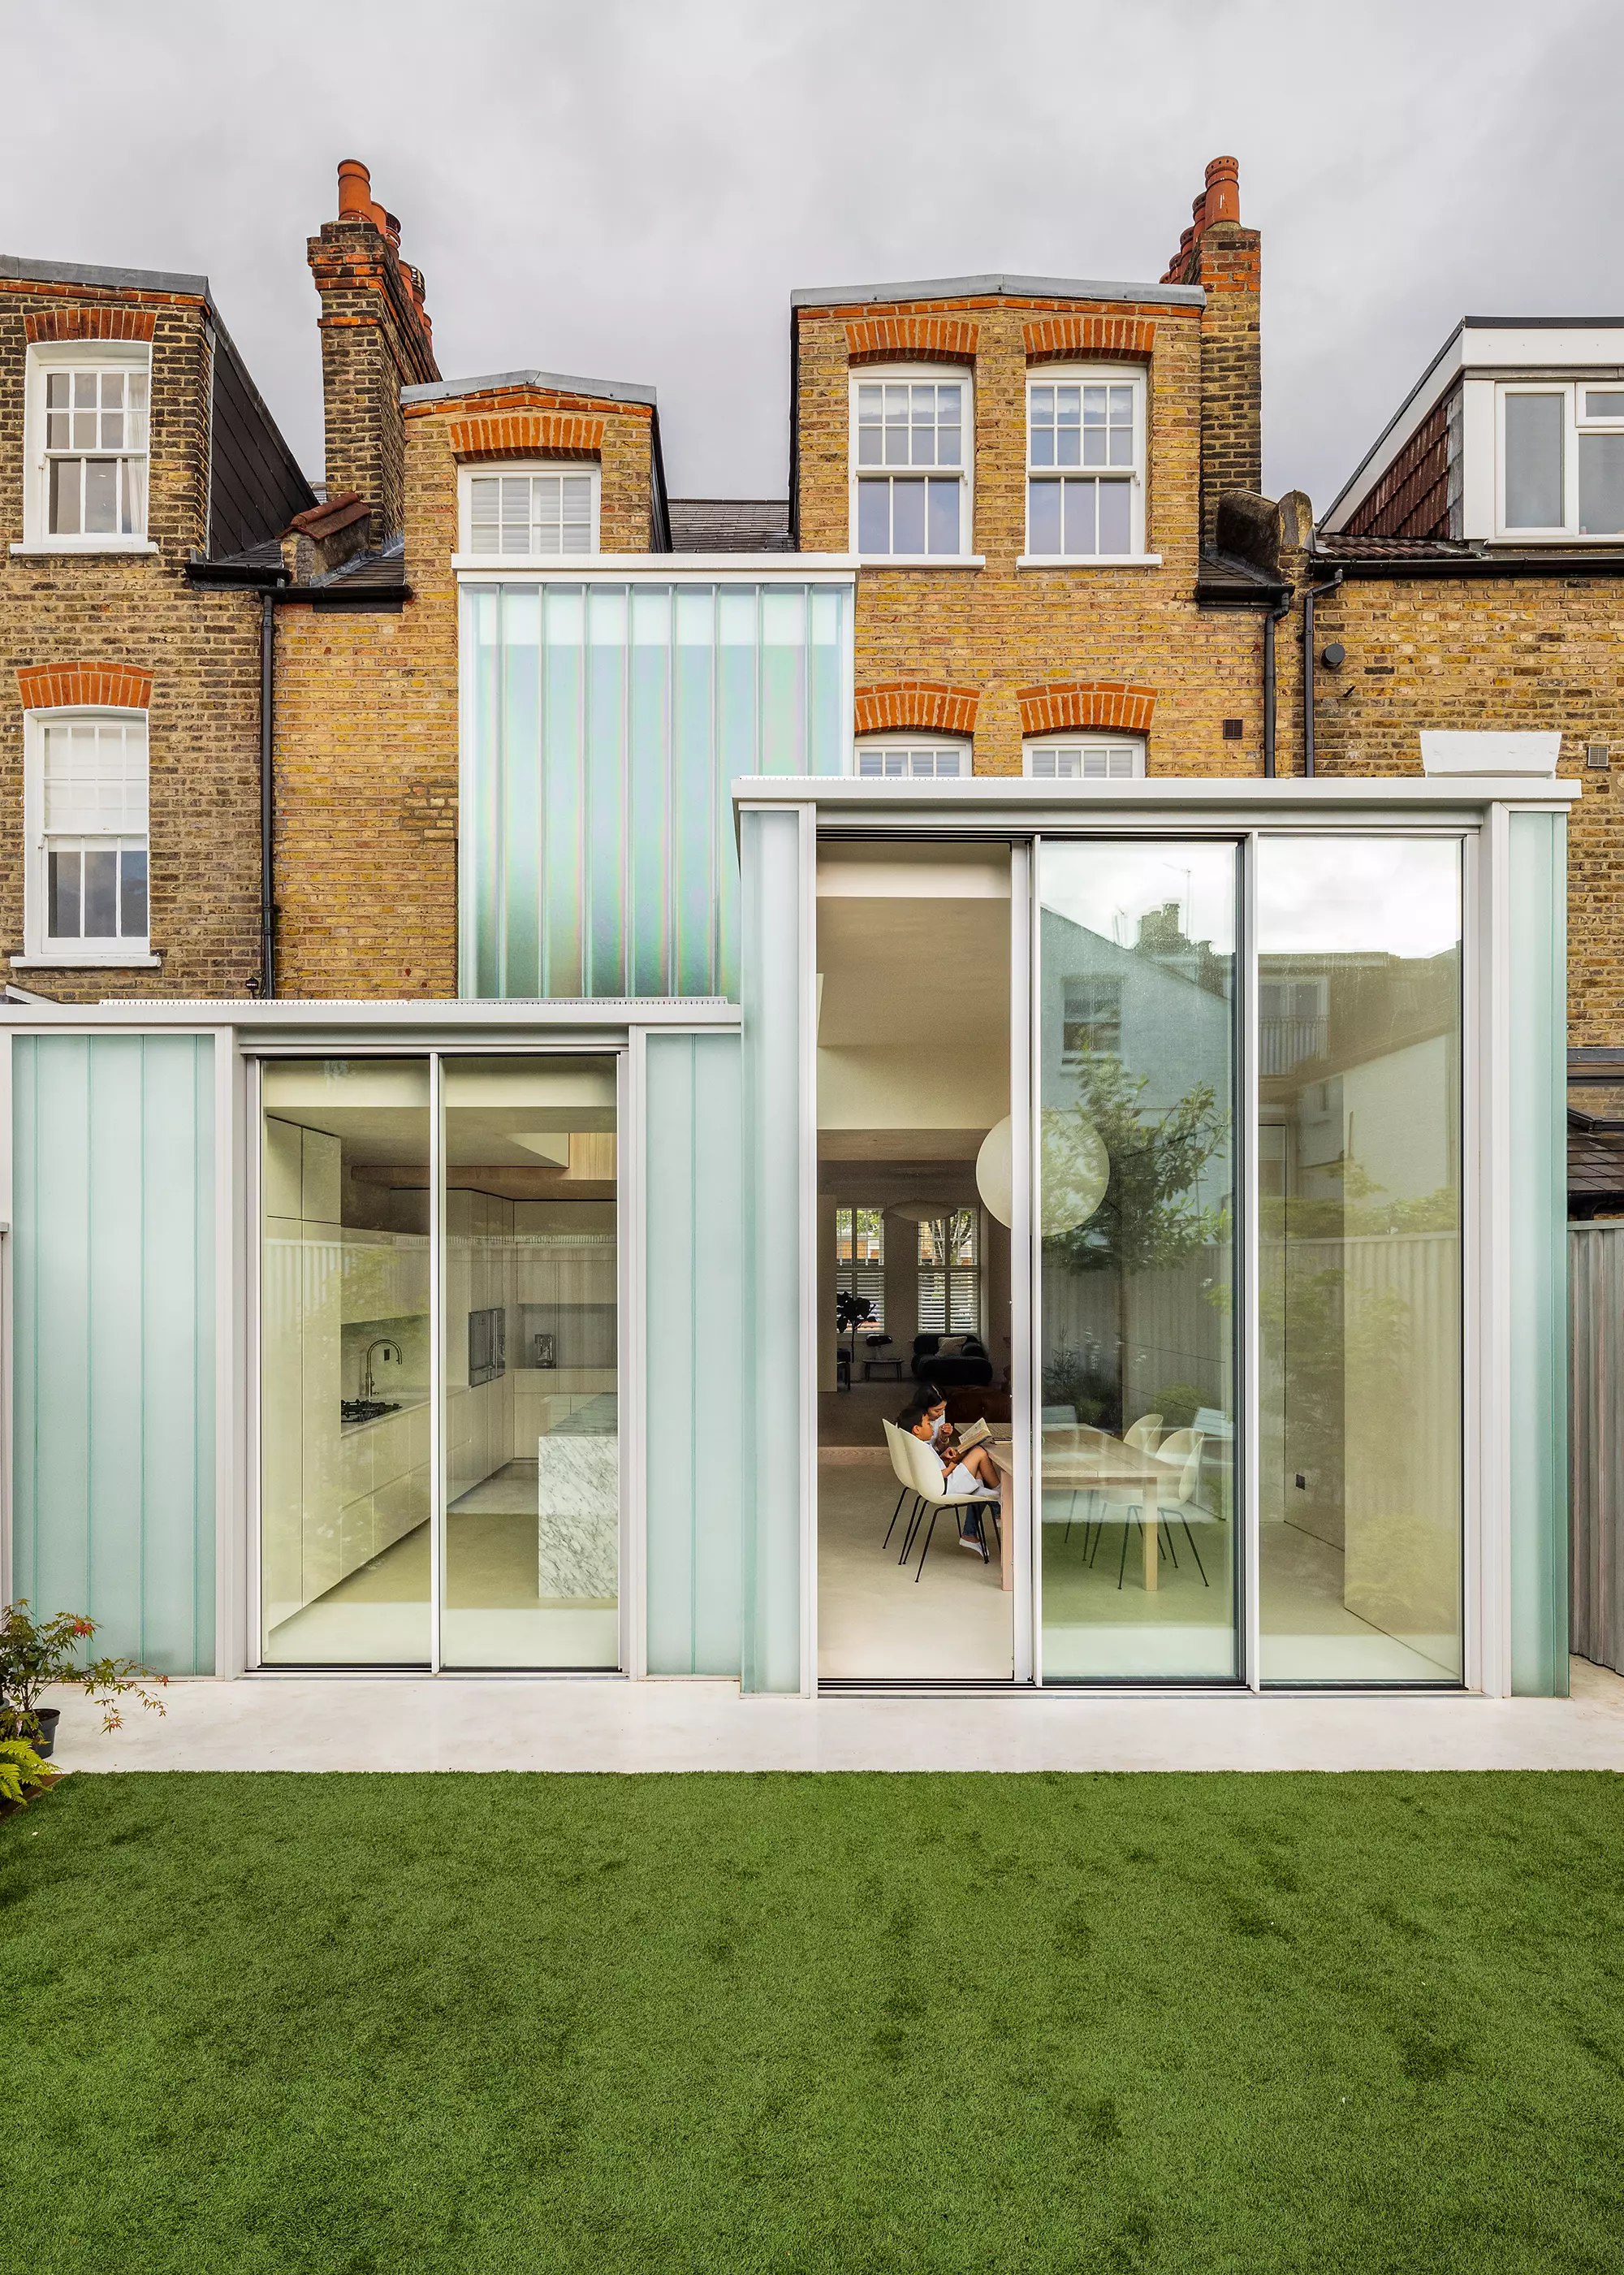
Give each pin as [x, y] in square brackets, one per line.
[1135, 1227]
[439, 1413]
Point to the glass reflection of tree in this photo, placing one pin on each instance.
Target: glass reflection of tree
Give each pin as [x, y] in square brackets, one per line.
[1151, 1218]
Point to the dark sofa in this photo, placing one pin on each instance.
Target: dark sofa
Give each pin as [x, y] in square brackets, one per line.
[950, 1372]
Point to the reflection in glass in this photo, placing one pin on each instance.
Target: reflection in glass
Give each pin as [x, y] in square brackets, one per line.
[1134, 1209]
[1359, 1160]
[345, 1363]
[531, 1412]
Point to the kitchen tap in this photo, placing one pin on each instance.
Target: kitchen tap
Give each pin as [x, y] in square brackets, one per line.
[389, 1347]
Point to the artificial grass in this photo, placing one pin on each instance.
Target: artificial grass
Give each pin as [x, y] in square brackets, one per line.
[378, 2025]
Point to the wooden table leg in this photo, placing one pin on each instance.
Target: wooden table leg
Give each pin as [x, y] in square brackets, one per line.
[1153, 1549]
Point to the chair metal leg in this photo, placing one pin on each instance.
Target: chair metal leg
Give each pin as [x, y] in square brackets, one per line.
[896, 1513]
[1195, 1551]
[1070, 1513]
[925, 1552]
[917, 1512]
[1123, 1565]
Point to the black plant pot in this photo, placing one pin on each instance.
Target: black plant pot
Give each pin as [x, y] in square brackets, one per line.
[45, 1744]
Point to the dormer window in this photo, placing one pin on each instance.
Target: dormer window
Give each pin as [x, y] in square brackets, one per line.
[86, 447]
[1086, 465]
[910, 451]
[531, 510]
[1562, 453]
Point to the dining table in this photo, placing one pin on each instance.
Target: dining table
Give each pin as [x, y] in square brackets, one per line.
[1078, 1459]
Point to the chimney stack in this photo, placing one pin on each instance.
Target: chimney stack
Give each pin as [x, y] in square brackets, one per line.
[1226, 261]
[376, 338]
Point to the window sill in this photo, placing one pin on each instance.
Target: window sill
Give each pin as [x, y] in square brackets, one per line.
[922, 560]
[1567, 537]
[99, 960]
[1089, 560]
[92, 546]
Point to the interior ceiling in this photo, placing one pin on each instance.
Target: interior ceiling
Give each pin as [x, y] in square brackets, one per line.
[921, 969]
[937, 1147]
[383, 1136]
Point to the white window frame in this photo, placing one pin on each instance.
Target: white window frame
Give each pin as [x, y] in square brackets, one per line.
[1074, 375]
[1092, 739]
[900, 740]
[1574, 424]
[38, 948]
[44, 356]
[489, 468]
[940, 374]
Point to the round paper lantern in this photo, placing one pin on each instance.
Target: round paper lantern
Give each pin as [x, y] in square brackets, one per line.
[1076, 1169]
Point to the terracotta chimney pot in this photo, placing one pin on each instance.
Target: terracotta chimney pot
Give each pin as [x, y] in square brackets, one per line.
[392, 229]
[1222, 201]
[354, 190]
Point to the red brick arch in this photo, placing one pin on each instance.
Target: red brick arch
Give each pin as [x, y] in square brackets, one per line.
[71, 686]
[1127, 338]
[528, 435]
[919, 340]
[916, 703]
[1060, 704]
[90, 324]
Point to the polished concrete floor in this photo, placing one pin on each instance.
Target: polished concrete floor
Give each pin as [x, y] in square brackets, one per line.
[944, 1614]
[450, 1722]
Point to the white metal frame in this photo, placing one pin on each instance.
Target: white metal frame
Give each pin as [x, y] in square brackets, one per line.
[1136, 476]
[940, 375]
[494, 469]
[40, 951]
[79, 355]
[1243, 810]
[1574, 424]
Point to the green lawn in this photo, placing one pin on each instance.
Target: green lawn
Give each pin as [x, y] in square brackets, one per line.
[805, 2024]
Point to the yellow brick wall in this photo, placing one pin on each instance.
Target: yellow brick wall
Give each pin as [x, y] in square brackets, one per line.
[998, 629]
[366, 730]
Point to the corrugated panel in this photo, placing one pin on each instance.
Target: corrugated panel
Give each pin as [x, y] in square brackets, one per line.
[114, 1312]
[1536, 919]
[694, 1297]
[602, 726]
[1596, 1297]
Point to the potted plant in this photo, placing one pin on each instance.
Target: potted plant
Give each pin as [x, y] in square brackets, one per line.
[35, 1654]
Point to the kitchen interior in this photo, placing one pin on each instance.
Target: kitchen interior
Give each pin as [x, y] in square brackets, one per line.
[530, 1307]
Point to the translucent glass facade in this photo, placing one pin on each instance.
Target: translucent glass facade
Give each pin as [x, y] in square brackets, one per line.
[602, 726]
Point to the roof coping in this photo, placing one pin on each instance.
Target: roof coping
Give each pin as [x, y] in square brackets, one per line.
[128, 280]
[606, 391]
[961, 287]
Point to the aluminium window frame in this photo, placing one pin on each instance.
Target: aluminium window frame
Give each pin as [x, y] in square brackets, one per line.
[478, 469]
[1136, 476]
[1570, 389]
[939, 374]
[44, 356]
[40, 950]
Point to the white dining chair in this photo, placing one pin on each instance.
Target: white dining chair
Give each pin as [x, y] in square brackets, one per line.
[930, 1482]
[1144, 1434]
[1180, 1454]
[902, 1470]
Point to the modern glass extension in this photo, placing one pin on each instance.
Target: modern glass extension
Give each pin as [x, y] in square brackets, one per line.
[439, 1362]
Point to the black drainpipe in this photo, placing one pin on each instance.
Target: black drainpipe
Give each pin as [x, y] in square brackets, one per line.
[1282, 609]
[1312, 593]
[268, 903]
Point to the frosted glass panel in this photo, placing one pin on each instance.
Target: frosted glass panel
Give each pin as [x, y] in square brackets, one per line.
[114, 1323]
[603, 727]
[1534, 461]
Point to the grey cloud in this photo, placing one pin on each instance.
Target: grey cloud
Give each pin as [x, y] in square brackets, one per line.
[633, 189]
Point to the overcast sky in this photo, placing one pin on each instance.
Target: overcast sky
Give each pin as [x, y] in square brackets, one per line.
[629, 189]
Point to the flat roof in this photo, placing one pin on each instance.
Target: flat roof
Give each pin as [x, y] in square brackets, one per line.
[962, 288]
[606, 391]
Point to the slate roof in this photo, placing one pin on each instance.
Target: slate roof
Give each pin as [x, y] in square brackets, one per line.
[1595, 1161]
[1338, 546]
[730, 525]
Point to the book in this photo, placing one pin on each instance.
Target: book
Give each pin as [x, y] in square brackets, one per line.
[971, 1433]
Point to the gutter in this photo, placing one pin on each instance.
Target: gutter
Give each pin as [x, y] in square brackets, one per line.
[267, 901]
[1312, 593]
[1373, 568]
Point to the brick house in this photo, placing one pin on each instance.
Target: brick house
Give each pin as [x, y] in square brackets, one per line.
[708, 933]
[134, 453]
